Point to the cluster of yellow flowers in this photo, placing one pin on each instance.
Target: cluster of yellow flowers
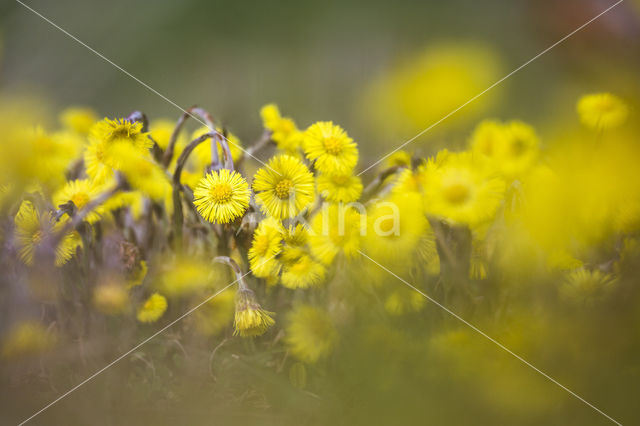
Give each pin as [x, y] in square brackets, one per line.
[300, 221]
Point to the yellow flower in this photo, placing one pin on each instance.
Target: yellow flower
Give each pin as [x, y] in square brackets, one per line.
[111, 297]
[336, 229]
[284, 131]
[215, 315]
[250, 319]
[78, 119]
[185, 276]
[153, 308]
[120, 130]
[161, 130]
[461, 189]
[329, 146]
[32, 228]
[26, 338]
[80, 192]
[602, 111]
[394, 227]
[300, 270]
[283, 188]
[266, 245]
[222, 196]
[586, 286]
[310, 333]
[398, 158]
[141, 171]
[340, 188]
[404, 300]
[512, 148]
[115, 144]
[137, 274]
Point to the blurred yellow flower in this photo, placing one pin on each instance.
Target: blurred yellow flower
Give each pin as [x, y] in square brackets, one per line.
[460, 188]
[284, 131]
[152, 309]
[284, 187]
[26, 338]
[310, 333]
[111, 297]
[330, 148]
[336, 229]
[300, 270]
[404, 300]
[202, 152]
[222, 196]
[394, 228]
[602, 111]
[78, 119]
[31, 229]
[339, 188]
[161, 130]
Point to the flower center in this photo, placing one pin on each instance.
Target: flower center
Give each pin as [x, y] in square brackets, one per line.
[386, 225]
[121, 131]
[340, 179]
[220, 193]
[36, 237]
[80, 200]
[284, 189]
[456, 193]
[332, 145]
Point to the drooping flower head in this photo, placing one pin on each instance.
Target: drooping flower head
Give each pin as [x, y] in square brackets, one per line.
[222, 196]
[329, 146]
[602, 111]
[284, 187]
[250, 319]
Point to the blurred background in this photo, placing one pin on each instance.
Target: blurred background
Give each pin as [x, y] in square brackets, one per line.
[332, 60]
[384, 71]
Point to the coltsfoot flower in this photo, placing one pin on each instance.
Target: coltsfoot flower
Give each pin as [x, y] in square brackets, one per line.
[266, 245]
[602, 111]
[300, 270]
[310, 333]
[340, 188]
[27, 338]
[32, 227]
[78, 119]
[222, 196]
[284, 188]
[152, 309]
[250, 319]
[284, 131]
[336, 229]
[460, 188]
[329, 146]
[80, 192]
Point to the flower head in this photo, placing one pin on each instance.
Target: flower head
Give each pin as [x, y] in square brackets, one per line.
[152, 309]
[79, 120]
[284, 187]
[461, 189]
[284, 131]
[80, 192]
[250, 319]
[310, 333]
[329, 146]
[336, 229]
[602, 111]
[266, 245]
[222, 196]
[26, 338]
[340, 188]
[116, 131]
[300, 270]
[31, 229]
